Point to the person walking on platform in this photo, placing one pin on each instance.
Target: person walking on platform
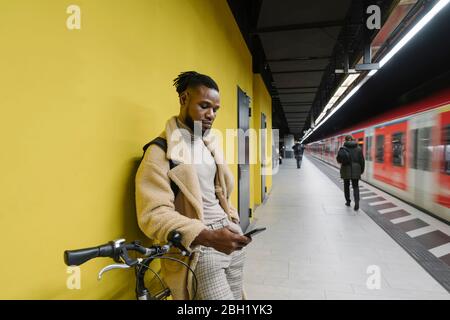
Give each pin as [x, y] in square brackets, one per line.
[352, 162]
[298, 153]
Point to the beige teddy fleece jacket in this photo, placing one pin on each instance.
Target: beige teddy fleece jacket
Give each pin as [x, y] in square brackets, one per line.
[159, 212]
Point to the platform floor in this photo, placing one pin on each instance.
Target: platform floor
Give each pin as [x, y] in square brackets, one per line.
[317, 248]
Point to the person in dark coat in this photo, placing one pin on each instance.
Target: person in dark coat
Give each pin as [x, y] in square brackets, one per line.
[298, 153]
[352, 171]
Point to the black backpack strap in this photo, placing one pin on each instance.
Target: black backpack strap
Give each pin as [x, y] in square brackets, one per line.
[162, 143]
[351, 160]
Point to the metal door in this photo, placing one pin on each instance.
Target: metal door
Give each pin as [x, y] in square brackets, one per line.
[243, 159]
[263, 156]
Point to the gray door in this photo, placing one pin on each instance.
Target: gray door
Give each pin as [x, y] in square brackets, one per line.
[243, 160]
[263, 156]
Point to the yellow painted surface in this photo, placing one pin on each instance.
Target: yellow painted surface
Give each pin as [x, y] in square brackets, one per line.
[262, 103]
[77, 107]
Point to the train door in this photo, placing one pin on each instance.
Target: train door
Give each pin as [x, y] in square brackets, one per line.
[332, 150]
[336, 149]
[341, 141]
[443, 159]
[359, 138]
[322, 150]
[368, 154]
[390, 154]
[420, 175]
[328, 143]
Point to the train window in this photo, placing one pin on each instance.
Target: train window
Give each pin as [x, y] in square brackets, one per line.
[379, 145]
[368, 148]
[424, 149]
[398, 149]
[446, 136]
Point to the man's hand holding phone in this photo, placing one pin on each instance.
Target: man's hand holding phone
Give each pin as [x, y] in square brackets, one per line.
[225, 240]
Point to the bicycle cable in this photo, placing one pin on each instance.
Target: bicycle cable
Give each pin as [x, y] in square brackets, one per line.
[141, 264]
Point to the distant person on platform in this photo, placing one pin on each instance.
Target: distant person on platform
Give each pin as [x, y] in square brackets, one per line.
[298, 153]
[351, 158]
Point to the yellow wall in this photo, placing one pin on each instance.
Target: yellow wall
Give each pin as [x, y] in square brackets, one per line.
[77, 106]
[262, 103]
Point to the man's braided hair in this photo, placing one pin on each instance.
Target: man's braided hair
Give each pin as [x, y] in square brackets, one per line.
[192, 79]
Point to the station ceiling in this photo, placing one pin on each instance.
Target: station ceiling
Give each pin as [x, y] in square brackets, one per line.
[297, 45]
[298, 38]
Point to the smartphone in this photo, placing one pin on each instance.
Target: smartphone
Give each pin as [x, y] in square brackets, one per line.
[254, 232]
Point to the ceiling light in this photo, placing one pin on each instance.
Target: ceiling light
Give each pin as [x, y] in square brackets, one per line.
[352, 77]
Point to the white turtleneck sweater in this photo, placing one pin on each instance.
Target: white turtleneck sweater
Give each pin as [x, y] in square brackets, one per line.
[205, 166]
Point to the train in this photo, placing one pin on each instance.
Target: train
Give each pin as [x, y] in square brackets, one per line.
[407, 152]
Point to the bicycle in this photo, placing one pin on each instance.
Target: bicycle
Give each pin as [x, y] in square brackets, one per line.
[118, 251]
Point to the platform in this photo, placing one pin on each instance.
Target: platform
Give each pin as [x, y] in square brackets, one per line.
[317, 248]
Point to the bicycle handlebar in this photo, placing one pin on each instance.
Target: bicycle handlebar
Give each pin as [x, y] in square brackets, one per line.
[118, 249]
[80, 256]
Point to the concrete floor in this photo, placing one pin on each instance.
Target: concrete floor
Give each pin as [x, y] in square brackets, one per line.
[316, 248]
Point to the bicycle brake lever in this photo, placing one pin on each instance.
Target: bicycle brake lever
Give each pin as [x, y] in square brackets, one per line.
[110, 267]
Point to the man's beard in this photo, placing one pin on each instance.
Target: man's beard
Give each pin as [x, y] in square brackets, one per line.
[191, 124]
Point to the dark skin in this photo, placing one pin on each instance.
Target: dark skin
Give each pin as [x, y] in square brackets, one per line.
[201, 104]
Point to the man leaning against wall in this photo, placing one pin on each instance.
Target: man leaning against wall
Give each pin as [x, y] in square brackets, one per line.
[200, 208]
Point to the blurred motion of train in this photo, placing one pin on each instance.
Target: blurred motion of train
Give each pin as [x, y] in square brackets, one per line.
[407, 152]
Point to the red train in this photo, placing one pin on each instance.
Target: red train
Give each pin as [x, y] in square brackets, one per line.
[407, 152]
